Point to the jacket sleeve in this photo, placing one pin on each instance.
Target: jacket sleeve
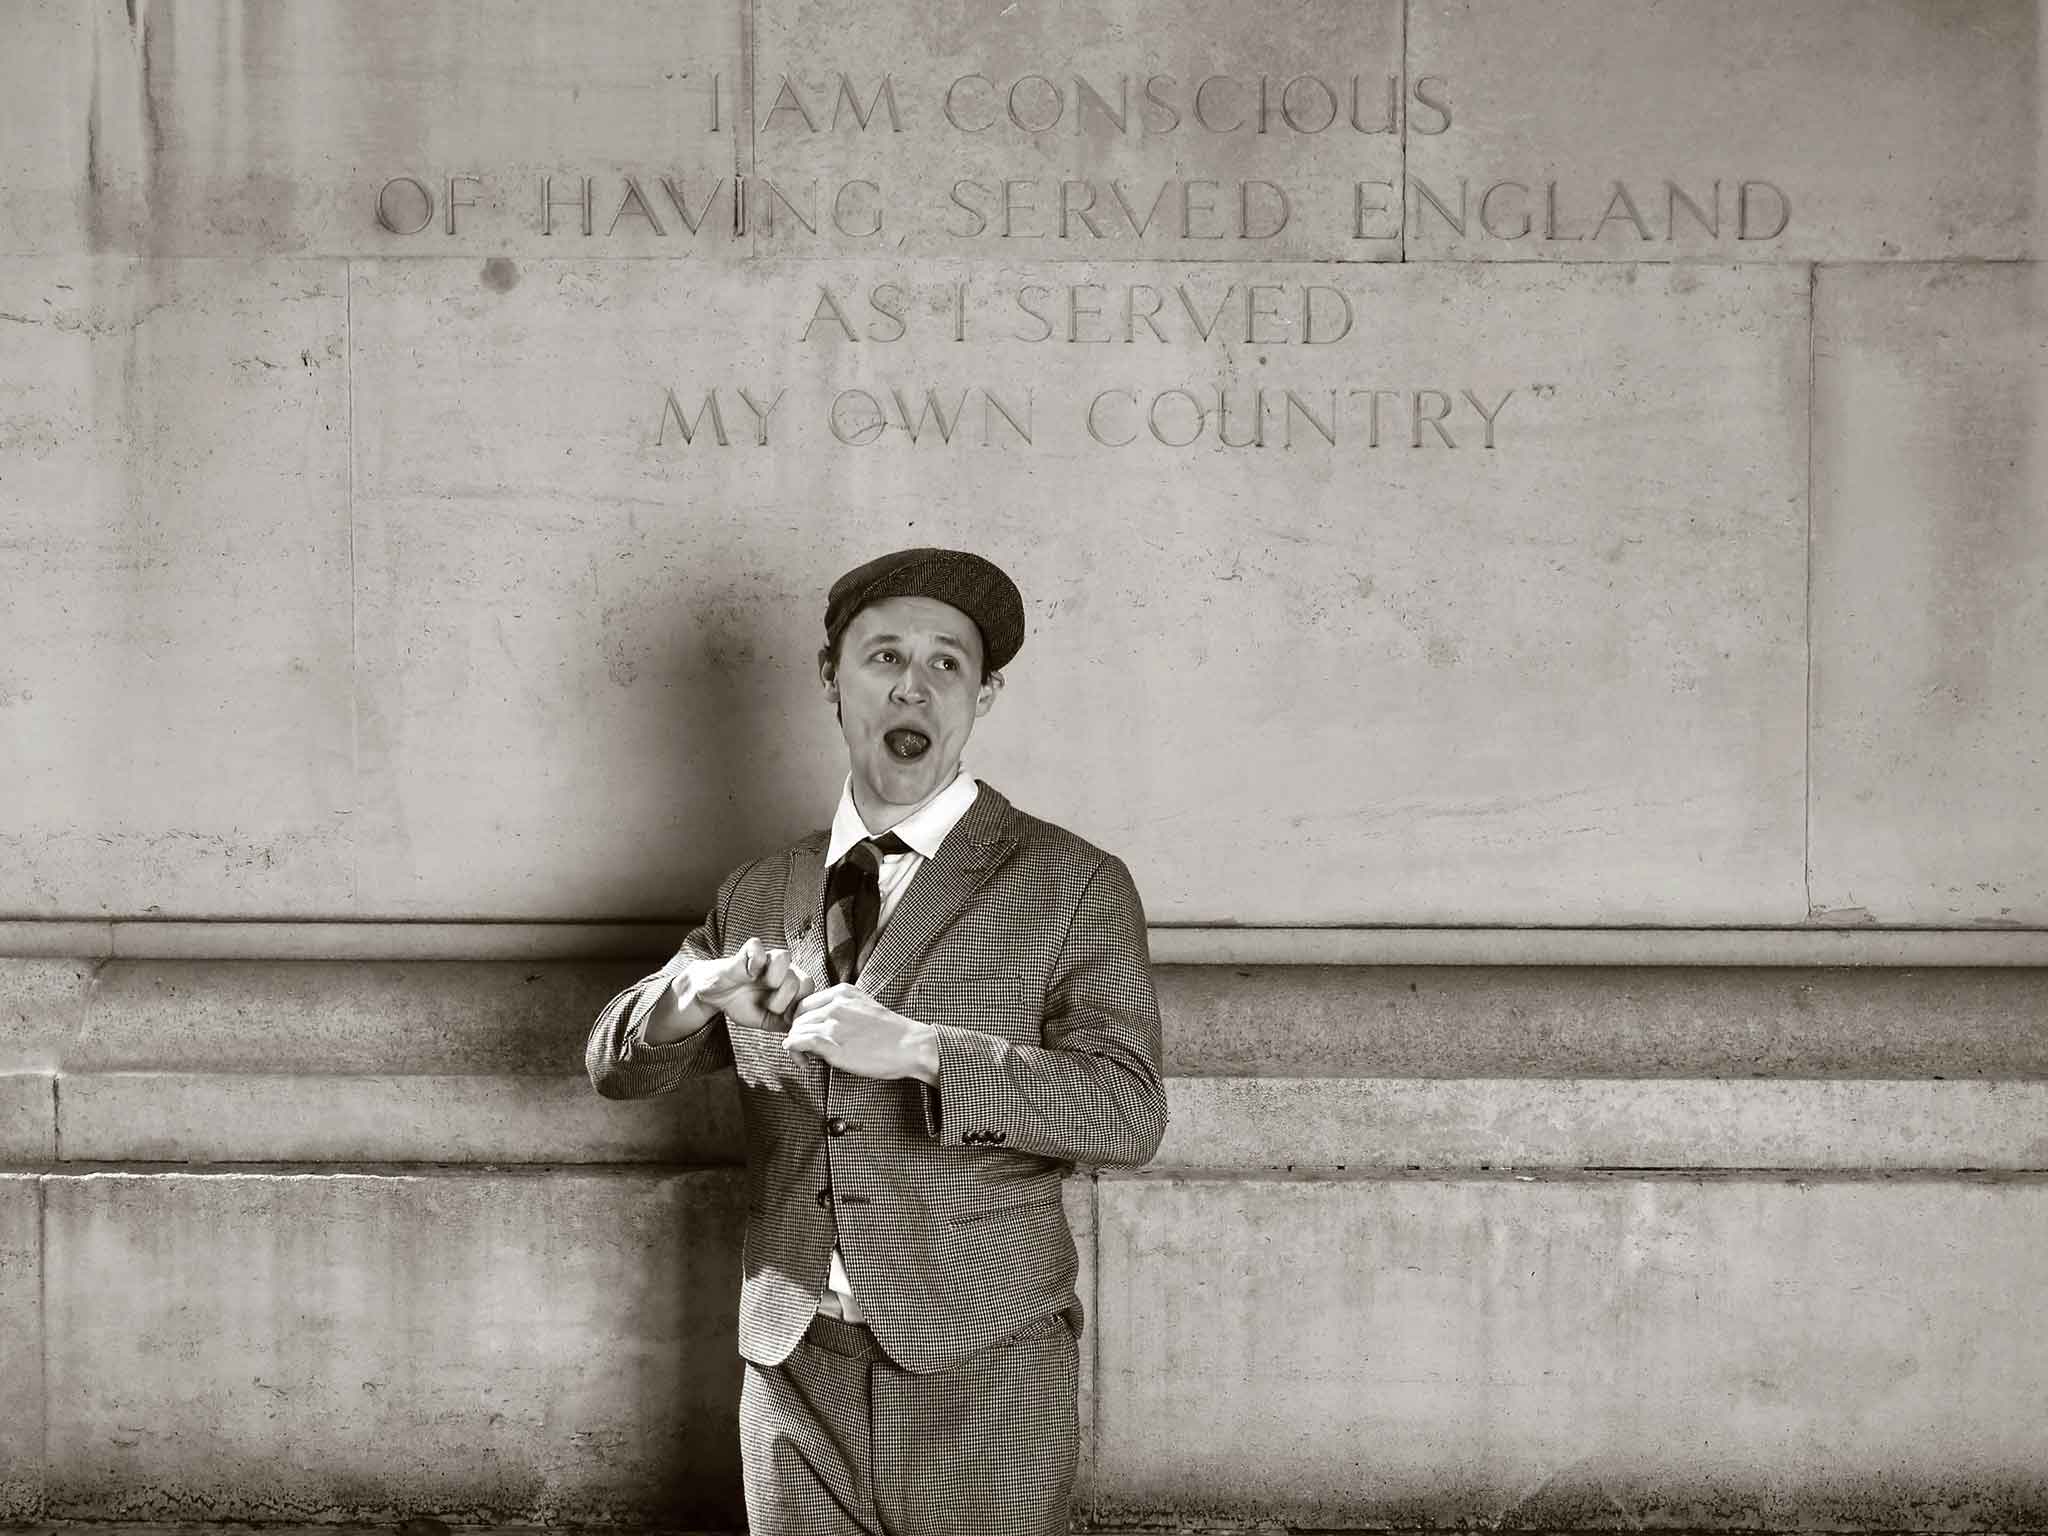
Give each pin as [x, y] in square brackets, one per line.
[1092, 1093]
[621, 1064]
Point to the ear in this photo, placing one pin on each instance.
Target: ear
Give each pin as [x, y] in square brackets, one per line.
[828, 676]
[985, 698]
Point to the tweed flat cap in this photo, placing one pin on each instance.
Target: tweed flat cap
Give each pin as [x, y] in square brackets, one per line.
[977, 587]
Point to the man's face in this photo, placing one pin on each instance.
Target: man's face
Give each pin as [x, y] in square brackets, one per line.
[909, 689]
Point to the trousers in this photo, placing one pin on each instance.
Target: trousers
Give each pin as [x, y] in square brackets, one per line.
[839, 1440]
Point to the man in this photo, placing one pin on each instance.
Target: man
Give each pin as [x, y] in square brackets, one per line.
[935, 1010]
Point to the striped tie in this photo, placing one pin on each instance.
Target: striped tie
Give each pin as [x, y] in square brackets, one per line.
[853, 905]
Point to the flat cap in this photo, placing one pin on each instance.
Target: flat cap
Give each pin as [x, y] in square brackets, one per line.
[977, 587]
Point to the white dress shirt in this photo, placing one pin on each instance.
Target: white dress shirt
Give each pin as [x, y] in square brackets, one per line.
[923, 829]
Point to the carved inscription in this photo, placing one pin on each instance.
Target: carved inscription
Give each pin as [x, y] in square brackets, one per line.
[1035, 122]
[1189, 320]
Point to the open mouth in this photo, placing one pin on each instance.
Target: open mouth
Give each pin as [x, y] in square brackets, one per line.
[906, 745]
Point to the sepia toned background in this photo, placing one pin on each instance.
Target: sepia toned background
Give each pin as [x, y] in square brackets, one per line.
[1534, 531]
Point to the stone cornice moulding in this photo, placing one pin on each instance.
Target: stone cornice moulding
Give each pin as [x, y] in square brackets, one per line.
[177, 939]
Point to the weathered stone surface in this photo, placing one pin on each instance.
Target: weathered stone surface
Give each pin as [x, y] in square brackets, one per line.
[42, 1005]
[225, 127]
[243, 1118]
[1070, 130]
[1265, 1122]
[344, 1017]
[530, 1018]
[1864, 130]
[28, 1117]
[174, 678]
[1566, 1354]
[1930, 595]
[1621, 1021]
[21, 1346]
[555, 1347]
[45, 127]
[586, 647]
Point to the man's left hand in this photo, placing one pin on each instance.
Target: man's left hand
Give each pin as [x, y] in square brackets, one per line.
[846, 1027]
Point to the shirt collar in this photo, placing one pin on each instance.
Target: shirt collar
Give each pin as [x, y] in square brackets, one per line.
[924, 829]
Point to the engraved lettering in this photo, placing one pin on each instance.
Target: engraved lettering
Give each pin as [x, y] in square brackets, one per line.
[1258, 437]
[1077, 311]
[1059, 104]
[672, 408]
[1328, 429]
[886, 299]
[549, 203]
[980, 218]
[1327, 109]
[1014, 205]
[827, 307]
[1085, 96]
[1152, 99]
[1117, 190]
[635, 200]
[856, 418]
[1152, 417]
[1550, 230]
[1390, 113]
[761, 415]
[1434, 419]
[681, 203]
[807, 218]
[455, 202]
[390, 221]
[1023, 303]
[1627, 204]
[1244, 209]
[1742, 207]
[1189, 208]
[1081, 213]
[1255, 311]
[1308, 316]
[789, 99]
[839, 210]
[992, 406]
[1372, 412]
[953, 117]
[1194, 315]
[1674, 197]
[1423, 194]
[1486, 223]
[934, 407]
[1380, 204]
[1201, 115]
[959, 311]
[1095, 430]
[1485, 415]
[885, 95]
[1436, 104]
[1132, 315]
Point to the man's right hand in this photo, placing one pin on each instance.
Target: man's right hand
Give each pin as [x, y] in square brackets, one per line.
[755, 986]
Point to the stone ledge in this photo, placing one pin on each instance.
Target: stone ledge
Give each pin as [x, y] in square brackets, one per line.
[171, 939]
[1218, 1124]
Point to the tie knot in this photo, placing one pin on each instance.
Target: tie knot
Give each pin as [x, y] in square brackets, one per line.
[869, 852]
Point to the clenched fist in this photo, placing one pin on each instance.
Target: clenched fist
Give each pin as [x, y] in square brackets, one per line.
[753, 986]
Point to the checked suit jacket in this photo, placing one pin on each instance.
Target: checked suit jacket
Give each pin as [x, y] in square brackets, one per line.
[1024, 947]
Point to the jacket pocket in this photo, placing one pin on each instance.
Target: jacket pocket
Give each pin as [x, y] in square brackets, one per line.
[1013, 1208]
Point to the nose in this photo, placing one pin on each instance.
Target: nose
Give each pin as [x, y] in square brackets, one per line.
[910, 688]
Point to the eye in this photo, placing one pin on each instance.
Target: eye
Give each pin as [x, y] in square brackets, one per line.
[946, 664]
[884, 655]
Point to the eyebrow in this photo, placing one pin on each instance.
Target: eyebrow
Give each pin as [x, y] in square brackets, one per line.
[953, 640]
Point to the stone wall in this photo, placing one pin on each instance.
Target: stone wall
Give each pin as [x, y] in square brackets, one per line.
[1532, 521]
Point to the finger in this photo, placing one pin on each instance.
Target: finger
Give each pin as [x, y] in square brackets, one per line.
[786, 992]
[824, 997]
[775, 968]
[752, 957]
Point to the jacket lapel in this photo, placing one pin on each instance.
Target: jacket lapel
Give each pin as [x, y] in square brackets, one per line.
[942, 886]
[803, 907]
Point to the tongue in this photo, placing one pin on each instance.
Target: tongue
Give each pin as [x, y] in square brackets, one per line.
[907, 744]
